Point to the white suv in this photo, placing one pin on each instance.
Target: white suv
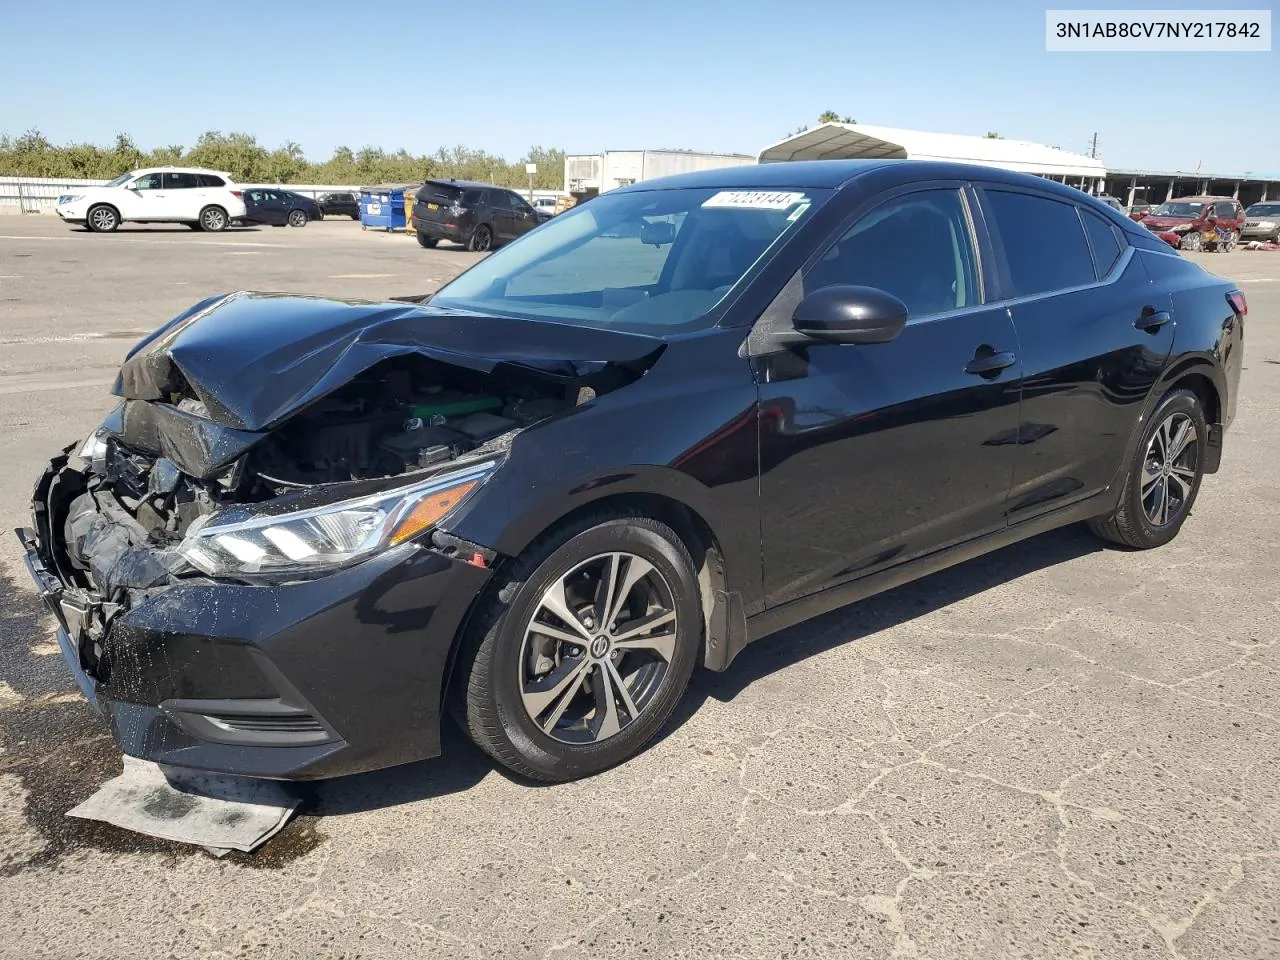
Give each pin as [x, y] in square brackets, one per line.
[202, 199]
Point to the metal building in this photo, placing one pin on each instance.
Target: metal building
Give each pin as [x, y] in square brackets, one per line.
[585, 175]
[848, 141]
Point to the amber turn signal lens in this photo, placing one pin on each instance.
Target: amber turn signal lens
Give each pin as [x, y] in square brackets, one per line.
[428, 511]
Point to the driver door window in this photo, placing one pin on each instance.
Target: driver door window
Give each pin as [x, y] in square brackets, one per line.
[152, 181]
[917, 247]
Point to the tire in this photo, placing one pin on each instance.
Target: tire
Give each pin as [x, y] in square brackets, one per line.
[481, 239]
[355, 216]
[213, 219]
[502, 692]
[425, 241]
[298, 218]
[1190, 241]
[102, 218]
[1138, 521]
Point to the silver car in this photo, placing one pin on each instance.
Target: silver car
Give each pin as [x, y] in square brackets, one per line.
[1262, 222]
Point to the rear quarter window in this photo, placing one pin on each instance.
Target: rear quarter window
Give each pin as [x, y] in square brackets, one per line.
[1043, 240]
[1103, 242]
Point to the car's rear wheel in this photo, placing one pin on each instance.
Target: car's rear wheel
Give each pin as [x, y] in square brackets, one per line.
[425, 241]
[297, 218]
[1190, 241]
[355, 216]
[103, 218]
[213, 219]
[578, 655]
[481, 239]
[1164, 477]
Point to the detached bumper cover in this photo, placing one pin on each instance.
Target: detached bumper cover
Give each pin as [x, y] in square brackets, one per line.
[304, 680]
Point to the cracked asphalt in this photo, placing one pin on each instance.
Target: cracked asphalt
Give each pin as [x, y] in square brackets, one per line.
[1059, 750]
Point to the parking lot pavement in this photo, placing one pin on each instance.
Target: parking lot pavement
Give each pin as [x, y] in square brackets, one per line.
[1055, 751]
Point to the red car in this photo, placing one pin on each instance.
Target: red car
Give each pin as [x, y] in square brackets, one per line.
[1196, 223]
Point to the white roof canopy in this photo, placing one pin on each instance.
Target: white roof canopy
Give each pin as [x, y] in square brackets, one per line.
[851, 141]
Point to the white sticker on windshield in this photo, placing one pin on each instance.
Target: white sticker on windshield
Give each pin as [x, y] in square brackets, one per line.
[754, 199]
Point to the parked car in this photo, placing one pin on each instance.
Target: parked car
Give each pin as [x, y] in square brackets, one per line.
[339, 204]
[1262, 222]
[1112, 202]
[545, 205]
[279, 208]
[1194, 223]
[202, 199]
[1138, 211]
[540, 496]
[478, 215]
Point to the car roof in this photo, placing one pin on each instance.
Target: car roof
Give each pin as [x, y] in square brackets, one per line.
[1201, 198]
[464, 184]
[837, 173]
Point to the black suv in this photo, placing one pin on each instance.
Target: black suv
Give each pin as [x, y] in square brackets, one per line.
[477, 215]
[339, 204]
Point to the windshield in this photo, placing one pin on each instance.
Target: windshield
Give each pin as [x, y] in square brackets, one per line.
[1264, 210]
[1179, 209]
[123, 178]
[642, 261]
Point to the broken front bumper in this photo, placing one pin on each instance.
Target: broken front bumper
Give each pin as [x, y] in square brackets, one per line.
[304, 680]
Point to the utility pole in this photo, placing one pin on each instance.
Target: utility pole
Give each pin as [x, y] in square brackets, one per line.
[1093, 148]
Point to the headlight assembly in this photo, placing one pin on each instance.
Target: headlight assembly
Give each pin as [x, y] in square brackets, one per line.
[1180, 228]
[335, 535]
[68, 198]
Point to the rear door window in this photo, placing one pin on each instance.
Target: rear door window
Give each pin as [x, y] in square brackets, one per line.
[1043, 241]
[1102, 242]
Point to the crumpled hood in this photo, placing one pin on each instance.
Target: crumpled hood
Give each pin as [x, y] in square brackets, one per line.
[255, 359]
[1164, 223]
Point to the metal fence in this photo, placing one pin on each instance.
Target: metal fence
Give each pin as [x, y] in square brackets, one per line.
[40, 194]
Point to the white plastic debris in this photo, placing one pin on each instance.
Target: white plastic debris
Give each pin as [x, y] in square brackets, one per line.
[217, 812]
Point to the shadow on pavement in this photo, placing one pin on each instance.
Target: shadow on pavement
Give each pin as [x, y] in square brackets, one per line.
[882, 612]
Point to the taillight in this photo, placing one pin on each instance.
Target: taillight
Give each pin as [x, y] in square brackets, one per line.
[1238, 303]
[238, 194]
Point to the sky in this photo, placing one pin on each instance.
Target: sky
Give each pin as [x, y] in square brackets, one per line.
[707, 75]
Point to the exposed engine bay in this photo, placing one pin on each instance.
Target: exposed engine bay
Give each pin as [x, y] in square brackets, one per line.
[406, 415]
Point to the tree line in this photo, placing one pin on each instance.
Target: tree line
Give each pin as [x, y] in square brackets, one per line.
[240, 154]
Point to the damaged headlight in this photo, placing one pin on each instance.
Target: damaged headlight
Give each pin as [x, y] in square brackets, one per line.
[1180, 228]
[330, 536]
[94, 452]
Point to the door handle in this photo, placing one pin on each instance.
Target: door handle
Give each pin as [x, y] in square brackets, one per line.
[988, 363]
[1152, 319]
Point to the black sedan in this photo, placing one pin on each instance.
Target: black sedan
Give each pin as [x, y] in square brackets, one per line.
[672, 420]
[339, 204]
[280, 208]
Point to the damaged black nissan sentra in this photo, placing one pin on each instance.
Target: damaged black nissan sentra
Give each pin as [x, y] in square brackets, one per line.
[672, 420]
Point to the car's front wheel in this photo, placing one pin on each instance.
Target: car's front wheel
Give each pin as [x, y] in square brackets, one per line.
[103, 218]
[1164, 477]
[578, 655]
[213, 219]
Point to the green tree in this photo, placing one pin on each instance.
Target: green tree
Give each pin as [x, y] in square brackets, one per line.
[992, 135]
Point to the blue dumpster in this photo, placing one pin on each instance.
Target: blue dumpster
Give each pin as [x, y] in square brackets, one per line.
[384, 206]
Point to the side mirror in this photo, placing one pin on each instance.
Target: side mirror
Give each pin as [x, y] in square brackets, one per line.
[658, 233]
[850, 314]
